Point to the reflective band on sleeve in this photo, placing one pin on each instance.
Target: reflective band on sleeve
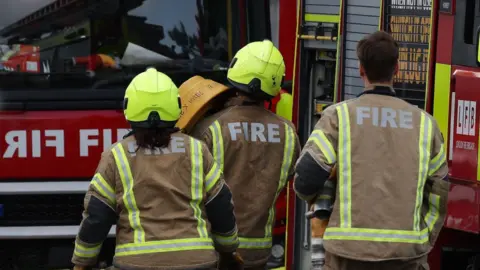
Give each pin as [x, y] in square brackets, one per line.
[197, 186]
[102, 187]
[217, 143]
[344, 171]
[433, 211]
[424, 144]
[255, 243]
[286, 164]
[128, 196]
[225, 240]
[164, 246]
[437, 161]
[322, 142]
[377, 235]
[212, 177]
[86, 252]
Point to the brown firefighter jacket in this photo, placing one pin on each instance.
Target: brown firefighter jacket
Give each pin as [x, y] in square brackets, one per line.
[391, 176]
[161, 198]
[256, 150]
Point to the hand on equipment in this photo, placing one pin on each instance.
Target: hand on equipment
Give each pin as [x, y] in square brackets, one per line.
[230, 261]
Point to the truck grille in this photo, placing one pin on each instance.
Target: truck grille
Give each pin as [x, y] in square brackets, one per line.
[41, 210]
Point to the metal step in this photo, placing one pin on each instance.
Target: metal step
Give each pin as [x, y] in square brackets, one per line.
[362, 17]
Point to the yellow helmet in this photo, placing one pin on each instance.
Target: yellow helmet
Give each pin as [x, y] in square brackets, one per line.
[257, 66]
[197, 95]
[151, 100]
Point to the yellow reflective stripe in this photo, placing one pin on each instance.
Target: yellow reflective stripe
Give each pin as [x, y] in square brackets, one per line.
[344, 162]
[322, 142]
[197, 186]
[225, 240]
[128, 196]
[437, 161]
[217, 143]
[102, 187]
[286, 164]
[255, 243]
[377, 235]
[424, 144]
[212, 177]
[164, 246]
[86, 252]
[433, 211]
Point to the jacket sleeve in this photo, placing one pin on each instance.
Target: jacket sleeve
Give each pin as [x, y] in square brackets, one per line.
[219, 206]
[317, 157]
[99, 214]
[437, 185]
[296, 153]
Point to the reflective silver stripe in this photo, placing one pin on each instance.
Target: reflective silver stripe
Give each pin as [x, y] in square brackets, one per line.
[344, 172]
[379, 236]
[128, 196]
[217, 143]
[86, 252]
[164, 246]
[255, 243]
[197, 186]
[102, 187]
[437, 161]
[212, 177]
[433, 211]
[424, 160]
[319, 138]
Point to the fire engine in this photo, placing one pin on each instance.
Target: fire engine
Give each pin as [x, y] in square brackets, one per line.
[55, 122]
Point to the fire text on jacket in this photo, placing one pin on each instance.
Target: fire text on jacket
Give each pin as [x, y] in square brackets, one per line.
[255, 132]
[385, 117]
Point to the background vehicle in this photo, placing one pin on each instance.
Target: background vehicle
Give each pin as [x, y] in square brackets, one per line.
[65, 65]
[438, 72]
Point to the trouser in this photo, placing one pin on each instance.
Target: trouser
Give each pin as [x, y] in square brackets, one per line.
[333, 262]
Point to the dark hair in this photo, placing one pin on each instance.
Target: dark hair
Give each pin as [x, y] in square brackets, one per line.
[153, 137]
[378, 54]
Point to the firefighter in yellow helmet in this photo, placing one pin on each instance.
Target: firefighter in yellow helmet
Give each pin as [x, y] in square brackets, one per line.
[160, 187]
[255, 148]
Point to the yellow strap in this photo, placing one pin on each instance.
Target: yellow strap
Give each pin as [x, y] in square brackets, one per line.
[424, 146]
[102, 187]
[128, 196]
[86, 252]
[437, 161]
[217, 139]
[344, 171]
[212, 177]
[164, 246]
[322, 142]
[197, 186]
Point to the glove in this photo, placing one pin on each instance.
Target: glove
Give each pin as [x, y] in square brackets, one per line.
[230, 261]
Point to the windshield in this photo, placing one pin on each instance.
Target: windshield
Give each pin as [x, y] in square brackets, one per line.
[79, 43]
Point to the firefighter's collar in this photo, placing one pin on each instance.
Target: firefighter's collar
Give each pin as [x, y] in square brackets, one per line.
[384, 90]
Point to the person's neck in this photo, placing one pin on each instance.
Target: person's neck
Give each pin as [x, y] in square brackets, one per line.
[371, 85]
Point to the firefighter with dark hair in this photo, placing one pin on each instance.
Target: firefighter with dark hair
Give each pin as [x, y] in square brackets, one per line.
[162, 189]
[240, 136]
[391, 171]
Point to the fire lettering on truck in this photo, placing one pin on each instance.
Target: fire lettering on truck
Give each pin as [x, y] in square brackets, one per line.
[90, 138]
[18, 143]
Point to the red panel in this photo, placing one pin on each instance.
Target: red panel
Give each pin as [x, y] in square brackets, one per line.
[445, 38]
[431, 60]
[464, 208]
[465, 133]
[286, 34]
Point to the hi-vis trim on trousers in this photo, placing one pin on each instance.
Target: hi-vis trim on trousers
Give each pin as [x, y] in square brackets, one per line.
[164, 246]
[217, 140]
[103, 188]
[197, 186]
[345, 231]
[86, 252]
[322, 142]
[266, 242]
[128, 197]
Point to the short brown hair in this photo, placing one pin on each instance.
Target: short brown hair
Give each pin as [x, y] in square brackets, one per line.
[378, 54]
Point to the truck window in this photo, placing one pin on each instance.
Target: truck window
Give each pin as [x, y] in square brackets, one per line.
[467, 21]
[68, 52]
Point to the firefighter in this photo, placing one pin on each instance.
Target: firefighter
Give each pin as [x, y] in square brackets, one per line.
[255, 148]
[392, 187]
[160, 187]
